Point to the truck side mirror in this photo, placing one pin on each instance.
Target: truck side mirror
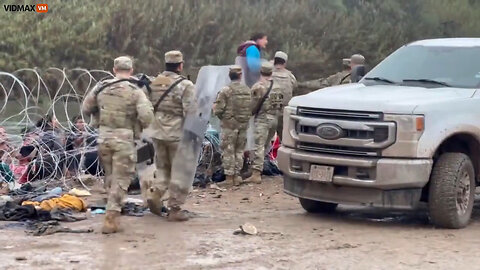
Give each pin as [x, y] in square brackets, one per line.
[357, 73]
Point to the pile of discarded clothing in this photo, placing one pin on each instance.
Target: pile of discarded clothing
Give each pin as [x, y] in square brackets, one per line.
[40, 211]
[51, 205]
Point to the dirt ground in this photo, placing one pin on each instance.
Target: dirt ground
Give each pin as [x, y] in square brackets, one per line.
[289, 238]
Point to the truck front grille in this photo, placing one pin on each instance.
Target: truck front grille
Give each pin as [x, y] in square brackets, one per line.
[379, 134]
[341, 132]
[339, 114]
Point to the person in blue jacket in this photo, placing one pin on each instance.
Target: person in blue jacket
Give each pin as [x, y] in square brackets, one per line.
[249, 53]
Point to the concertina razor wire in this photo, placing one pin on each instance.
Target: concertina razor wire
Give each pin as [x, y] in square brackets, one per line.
[30, 95]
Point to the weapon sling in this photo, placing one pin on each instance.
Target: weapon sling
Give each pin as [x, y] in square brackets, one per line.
[167, 92]
[260, 103]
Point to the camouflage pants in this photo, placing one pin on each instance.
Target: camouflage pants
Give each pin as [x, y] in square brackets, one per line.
[233, 146]
[264, 131]
[174, 162]
[164, 154]
[118, 158]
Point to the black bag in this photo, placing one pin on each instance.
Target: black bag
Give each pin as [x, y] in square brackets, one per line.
[270, 168]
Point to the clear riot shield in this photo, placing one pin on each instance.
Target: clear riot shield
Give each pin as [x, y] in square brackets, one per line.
[209, 82]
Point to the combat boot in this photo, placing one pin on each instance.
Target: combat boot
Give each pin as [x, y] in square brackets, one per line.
[155, 206]
[237, 180]
[229, 181]
[176, 214]
[154, 200]
[111, 223]
[256, 177]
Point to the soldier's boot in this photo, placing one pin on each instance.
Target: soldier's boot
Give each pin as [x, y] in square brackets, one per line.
[237, 180]
[176, 214]
[229, 181]
[155, 206]
[154, 201]
[256, 177]
[111, 224]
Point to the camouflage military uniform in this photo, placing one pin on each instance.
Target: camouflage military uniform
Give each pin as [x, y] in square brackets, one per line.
[266, 119]
[120, 107]
[343, 77]
[338, 78]
[167, 131]
[287, 81]
[233, 108]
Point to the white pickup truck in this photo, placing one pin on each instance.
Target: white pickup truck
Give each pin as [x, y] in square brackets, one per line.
[408, 133]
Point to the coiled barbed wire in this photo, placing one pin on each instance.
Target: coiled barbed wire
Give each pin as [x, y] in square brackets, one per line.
[29, 95]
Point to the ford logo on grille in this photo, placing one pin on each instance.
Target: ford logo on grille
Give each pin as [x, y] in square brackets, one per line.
[330, 131]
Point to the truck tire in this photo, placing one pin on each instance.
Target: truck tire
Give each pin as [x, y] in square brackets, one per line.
[452, 191]
[317, 207]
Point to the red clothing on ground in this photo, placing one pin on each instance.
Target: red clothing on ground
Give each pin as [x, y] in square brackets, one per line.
[274, 150]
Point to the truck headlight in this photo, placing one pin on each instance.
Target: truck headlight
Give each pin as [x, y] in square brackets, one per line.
[409, 130]
[409, 127]
[288, 126]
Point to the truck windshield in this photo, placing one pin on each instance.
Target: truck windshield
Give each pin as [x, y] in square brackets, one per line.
[433, 66]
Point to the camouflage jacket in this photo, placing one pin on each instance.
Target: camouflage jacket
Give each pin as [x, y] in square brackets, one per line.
[273, 104]
[170, 114]
[287, 82]
[121, 109]
[233, 104]
[338, 78]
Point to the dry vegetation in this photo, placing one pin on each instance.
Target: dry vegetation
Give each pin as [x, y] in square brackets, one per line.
[315, 33]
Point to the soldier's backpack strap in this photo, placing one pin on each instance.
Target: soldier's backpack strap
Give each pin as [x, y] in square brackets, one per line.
[261, 101]
[344, 78]
[164, 95]
[101, 88]
[143, 81]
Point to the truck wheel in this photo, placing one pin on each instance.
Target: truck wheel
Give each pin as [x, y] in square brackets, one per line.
[317, 207]
[452, 191]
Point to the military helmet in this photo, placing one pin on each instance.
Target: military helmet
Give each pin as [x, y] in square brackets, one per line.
[173, 57]
[123, 63]
[236, 69]
[266, 68]
[281, 55]
[357, 59]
